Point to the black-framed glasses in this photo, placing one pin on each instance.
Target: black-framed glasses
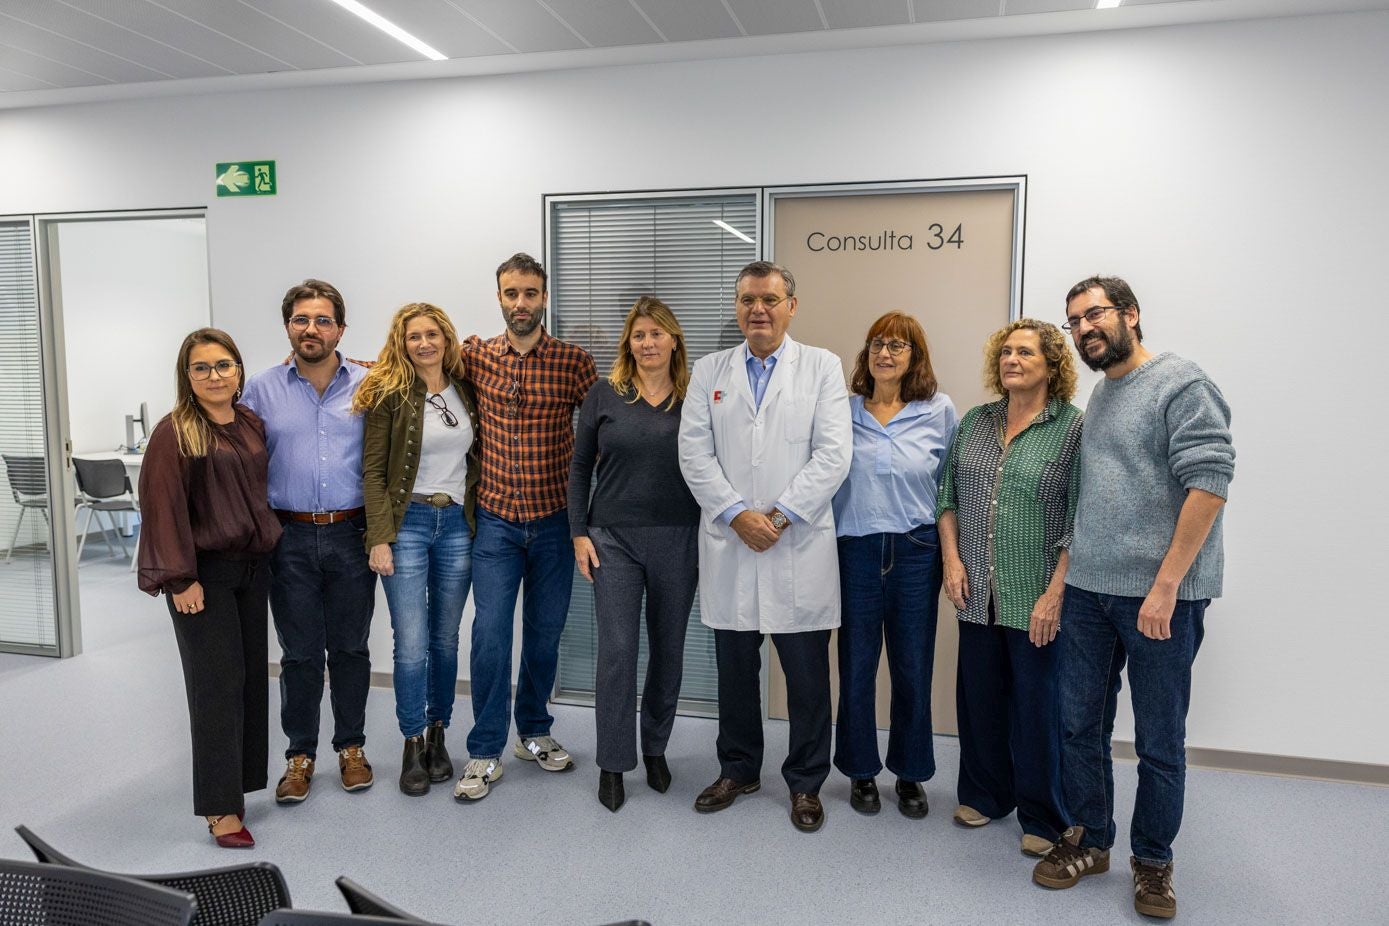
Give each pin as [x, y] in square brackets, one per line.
[321, 322]
[1091, 315]
[768, 301]
[895, 346]
[513, 399]
[437, 402]
[202, 371]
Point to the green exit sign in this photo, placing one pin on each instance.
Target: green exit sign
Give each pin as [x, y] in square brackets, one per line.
[246, 178]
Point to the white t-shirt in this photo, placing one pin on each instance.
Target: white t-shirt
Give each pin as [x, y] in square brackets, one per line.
[444, 450]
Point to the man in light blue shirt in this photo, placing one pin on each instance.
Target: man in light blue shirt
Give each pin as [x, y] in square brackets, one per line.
[322, 592]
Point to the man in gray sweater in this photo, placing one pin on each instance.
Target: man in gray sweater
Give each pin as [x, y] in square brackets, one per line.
[1156, 464]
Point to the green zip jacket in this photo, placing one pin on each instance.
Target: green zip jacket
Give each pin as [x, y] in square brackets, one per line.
[391, 457]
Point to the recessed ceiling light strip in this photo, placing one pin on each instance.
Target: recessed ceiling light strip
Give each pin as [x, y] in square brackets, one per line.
[391, 29]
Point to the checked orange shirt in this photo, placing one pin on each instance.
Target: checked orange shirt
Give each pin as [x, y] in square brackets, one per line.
[526, 408]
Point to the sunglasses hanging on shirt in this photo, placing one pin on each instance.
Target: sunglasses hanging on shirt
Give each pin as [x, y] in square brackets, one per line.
[442, 407]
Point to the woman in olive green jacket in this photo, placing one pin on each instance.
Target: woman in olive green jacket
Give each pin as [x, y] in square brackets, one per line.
[420, 468]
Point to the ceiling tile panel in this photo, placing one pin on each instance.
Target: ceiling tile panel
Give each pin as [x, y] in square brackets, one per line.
[525, 24]
[777, 17]
[82, 27]
[690, 20]
[51, 73]
[245, 23]
[1046, 6]
[441, 25]
[605, 22]
[9, 80]
[928, 11]
[333, 26]
[41, 42]
[160, 24]
[853, 14]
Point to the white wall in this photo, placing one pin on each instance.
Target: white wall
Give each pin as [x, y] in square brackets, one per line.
[131, 291]
[1234, 173]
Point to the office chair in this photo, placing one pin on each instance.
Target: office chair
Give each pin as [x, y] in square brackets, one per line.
[362, 901]
[320, 918]
[238, 895]
[104, 488]
[31, 892]
[29, 486]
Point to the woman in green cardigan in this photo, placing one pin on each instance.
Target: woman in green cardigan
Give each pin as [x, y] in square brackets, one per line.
[420, 469]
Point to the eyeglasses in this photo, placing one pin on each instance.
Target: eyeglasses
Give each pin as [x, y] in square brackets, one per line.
[1092, 315]
[201, 371]
[321, 322]
[894, 347]
[437, 402]
[513, 399]
[769, 301]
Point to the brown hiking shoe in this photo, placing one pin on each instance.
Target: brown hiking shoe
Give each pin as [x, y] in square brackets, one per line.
[1066, 864]
[294, 784]
[355, 769]
[1152, 889]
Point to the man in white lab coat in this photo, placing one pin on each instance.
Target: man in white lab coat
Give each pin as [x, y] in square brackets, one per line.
[765, 440]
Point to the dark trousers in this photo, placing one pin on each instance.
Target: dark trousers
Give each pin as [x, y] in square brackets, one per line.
[1006, 702]
[1099, 634]
[322, 594]
[662, 563]
[806, 659]
[889, 589]
[223, 650]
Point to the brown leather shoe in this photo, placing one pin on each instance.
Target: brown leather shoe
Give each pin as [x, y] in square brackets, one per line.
[722, 793]
[807, 813]
[294, 784]
[355, 769]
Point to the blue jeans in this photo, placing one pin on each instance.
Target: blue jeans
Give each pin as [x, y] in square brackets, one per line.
[889, 587]
[1099, 633]
[322, 595]
[506, 554]
[433, 554]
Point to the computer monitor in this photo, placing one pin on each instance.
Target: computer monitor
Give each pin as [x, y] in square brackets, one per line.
[131, 442]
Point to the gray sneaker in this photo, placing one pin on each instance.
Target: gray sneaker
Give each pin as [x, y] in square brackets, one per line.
[544, 750]
[477, 779]
[1152, 889]
[1066, 864]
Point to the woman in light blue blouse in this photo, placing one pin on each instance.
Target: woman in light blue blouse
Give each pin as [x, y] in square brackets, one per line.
[889, 561]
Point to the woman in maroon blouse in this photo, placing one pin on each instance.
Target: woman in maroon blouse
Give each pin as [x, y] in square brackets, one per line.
[206, 529]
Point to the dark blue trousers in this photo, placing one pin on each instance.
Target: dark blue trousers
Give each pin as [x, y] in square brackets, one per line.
[1006, 703]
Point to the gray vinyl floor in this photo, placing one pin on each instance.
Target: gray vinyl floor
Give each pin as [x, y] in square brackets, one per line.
[94, 756]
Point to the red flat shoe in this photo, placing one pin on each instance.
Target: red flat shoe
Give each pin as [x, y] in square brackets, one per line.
[238, 840]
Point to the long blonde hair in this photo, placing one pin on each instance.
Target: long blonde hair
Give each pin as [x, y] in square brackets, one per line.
[625, 366]
[393, 374]
[192, 427]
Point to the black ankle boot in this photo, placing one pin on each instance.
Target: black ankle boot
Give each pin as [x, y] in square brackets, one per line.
[414, 779]
[436, 755]
[657, 773]
[610, 792]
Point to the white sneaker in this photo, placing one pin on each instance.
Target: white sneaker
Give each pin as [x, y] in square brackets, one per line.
[544, 750]
[478, 776]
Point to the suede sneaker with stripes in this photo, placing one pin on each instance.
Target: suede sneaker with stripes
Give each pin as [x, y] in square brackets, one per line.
[1152, 889]
[1066, 864]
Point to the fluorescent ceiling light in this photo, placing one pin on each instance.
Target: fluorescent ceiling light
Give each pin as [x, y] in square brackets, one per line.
[733, 231]
[1107, 4]
[391, 29]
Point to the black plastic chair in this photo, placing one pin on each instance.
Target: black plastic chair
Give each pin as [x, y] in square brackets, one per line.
[29, 486]
[52, 895]
[239, 895]
[320, 918]
[362, 901]
[105, 489]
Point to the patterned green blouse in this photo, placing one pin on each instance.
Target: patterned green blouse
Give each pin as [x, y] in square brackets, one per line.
[1015, 508]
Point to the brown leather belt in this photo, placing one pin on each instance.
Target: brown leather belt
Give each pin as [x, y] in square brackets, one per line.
[319, 517]
[438, 499]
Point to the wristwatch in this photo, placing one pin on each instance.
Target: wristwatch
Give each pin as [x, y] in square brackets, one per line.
[779, 520]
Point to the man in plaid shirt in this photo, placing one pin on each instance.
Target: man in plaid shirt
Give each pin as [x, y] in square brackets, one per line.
[528, 385]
